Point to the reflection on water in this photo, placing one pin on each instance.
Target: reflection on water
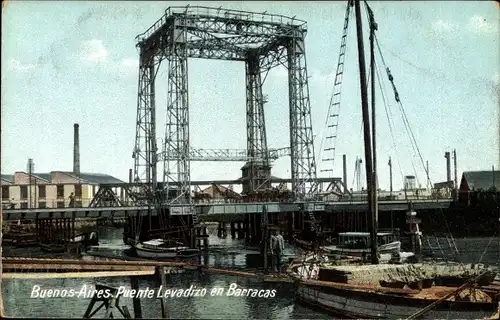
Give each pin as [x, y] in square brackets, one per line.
[225, 253]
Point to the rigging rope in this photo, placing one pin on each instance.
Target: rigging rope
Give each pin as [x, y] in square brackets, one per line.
[403, 113]
[389, 118]
[407, 124]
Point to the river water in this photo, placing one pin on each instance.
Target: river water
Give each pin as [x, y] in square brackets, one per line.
[226, 253]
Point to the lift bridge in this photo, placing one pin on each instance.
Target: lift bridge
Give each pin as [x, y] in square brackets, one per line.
[260, 41]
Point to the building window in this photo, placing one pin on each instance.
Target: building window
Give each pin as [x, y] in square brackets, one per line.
[60, 204]
[78, 190]
[41, 192]
[42, 204]
[60, 191]
[24, 205]
[24, 192]
[5, 193]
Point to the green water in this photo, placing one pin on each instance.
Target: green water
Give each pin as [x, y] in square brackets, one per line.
[231, 253]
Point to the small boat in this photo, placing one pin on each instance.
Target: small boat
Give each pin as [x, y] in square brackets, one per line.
[358, 244]
[87, 239]
[163, 249]
[53, 248]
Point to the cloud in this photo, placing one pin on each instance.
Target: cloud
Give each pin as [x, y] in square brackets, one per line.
[479, 25]
[16, 65]
[441, 26]
[93, 51]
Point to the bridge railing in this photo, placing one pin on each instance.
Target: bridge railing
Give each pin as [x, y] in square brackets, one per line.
[43, 203]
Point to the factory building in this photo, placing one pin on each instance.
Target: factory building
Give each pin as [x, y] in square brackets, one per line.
[57, 189]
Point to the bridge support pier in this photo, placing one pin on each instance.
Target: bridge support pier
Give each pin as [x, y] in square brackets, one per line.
[241, 230]
[54, 231]
[222, 230]
[233, 229]
[162, 281]
[134, 284]
[290, 225]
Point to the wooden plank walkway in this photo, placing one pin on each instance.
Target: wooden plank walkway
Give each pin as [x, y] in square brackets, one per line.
[30, 268]
[64, 275]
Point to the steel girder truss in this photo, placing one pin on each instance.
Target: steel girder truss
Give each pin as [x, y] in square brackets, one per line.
[177, 123]
[256, 128]
[301, 135]
[223, 155]
[145, 149]
[105, 197]
[263, 41]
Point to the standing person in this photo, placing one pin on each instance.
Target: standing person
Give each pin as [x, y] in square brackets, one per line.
[277, 248]
[71, 200]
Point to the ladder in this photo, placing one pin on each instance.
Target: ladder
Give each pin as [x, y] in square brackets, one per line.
[332, 117]
[436, 247]
[195, 217]
[446, 253]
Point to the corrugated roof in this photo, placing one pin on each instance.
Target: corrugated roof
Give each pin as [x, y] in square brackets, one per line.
[481, 180]
[98, 178]
[8, 177]
[44, 176]
[90, 178]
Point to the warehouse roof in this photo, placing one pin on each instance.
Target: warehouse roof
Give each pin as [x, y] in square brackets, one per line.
[480, 180]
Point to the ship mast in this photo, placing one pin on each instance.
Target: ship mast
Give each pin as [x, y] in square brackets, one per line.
[370, 173]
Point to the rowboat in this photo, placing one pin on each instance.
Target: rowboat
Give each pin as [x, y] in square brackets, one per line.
[163, 249]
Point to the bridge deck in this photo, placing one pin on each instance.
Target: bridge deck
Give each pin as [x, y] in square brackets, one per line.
[221, 209]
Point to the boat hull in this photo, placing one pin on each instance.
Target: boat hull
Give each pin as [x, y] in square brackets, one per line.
[53, 248]
[150, 254]
[371, 305]
[166, 254]
[390, 248]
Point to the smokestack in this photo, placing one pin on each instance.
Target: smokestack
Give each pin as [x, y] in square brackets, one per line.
[448, 166]
[455, 168]
[344, 159]
[129, 175]
[76, 149]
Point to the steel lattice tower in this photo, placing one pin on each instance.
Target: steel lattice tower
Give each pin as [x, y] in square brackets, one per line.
[262, 41]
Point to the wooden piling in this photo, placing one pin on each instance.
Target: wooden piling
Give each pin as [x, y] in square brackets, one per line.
[233, 230]
[205, 239]
[246, 226]
[266, 245]
[241, 230]
[134, 283]
[162, 280]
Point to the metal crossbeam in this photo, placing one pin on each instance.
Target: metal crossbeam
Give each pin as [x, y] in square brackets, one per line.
[262, 41]
[224, 155]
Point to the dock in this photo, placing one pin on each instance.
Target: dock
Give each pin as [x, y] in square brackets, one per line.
[37, 268]
[213, 211]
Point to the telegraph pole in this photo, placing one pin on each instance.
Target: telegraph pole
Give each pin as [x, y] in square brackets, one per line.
[390, 177]
[456, 174]
[30, 182]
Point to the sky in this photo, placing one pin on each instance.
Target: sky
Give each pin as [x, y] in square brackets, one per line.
[71, 62]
